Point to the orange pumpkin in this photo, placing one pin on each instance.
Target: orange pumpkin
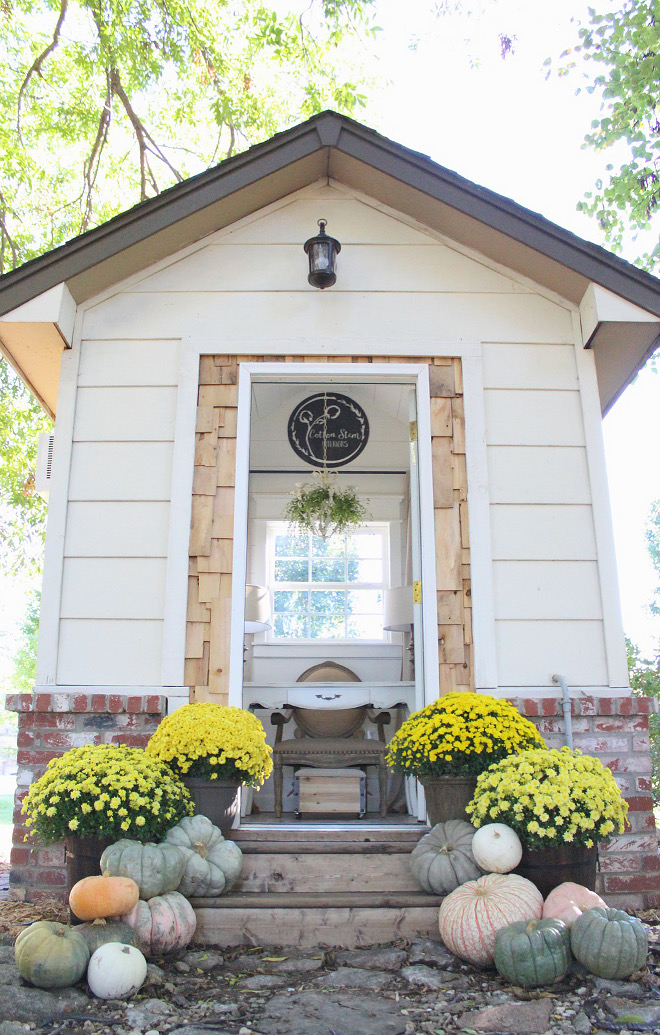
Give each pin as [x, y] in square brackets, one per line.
[94, 897]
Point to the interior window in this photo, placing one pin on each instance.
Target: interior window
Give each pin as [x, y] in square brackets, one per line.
[330, 590]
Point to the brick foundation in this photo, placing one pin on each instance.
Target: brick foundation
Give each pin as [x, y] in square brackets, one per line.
[614, 728]
[49, 725]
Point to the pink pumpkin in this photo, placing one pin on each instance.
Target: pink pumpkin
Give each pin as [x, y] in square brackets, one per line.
[568, 901]
[163, 924]
[471, 916]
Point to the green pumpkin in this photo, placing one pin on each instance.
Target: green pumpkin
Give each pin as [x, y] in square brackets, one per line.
[609, 943]
[156, 869]
[443, 859]
[530, 953]
[100, 932]
[50, 955]
[212, 864]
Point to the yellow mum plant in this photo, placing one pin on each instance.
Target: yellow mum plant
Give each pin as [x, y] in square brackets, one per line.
[106, 791]
[460, 734]
[210, 741]
[551, 797]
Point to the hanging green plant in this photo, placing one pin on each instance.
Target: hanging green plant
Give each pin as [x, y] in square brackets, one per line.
[322, 509]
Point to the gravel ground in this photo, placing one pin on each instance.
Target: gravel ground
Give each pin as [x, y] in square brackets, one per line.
[400, 989]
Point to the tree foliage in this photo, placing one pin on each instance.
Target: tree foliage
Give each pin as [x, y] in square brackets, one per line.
[25, 660]
[22, 512]
[623, 46]
[644, 673]
[104, 103]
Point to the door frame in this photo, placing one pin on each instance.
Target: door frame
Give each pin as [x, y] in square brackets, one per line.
[415, 374]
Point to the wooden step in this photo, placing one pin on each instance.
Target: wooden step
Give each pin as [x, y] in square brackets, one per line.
[297, 839]
[327, 872]
[307, 920]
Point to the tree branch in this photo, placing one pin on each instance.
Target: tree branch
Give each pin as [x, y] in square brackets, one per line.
[38, 62]
[144, 138]
[93, 162]
[6, 238]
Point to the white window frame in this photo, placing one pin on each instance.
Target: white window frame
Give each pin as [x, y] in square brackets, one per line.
[381, 528]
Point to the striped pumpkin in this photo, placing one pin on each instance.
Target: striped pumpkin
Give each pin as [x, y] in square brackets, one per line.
[471, 916]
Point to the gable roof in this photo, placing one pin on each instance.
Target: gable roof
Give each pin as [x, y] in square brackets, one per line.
[335, 146]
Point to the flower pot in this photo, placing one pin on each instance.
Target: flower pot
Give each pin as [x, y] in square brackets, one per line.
[548, 867]
[447, 797]
[218, 800]
[83, 859]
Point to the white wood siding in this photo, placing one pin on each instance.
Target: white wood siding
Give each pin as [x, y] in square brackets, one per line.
[400, 291]
[116, 538]
[123, 652]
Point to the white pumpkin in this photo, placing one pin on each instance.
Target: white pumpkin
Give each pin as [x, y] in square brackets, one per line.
[496, 848]
[116, 971]
[568, 901]
[212, 864]
[471, 916]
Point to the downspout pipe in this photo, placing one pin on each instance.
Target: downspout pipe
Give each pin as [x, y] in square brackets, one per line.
[566, 705]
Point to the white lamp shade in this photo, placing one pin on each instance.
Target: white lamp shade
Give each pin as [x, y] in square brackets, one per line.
[257, 609]
[398, 609]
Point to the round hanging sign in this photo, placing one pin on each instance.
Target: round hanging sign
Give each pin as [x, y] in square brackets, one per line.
[328, 430]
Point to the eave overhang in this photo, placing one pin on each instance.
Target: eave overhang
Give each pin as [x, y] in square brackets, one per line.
[334, 146]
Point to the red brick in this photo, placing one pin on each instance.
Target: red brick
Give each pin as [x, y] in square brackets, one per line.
[640, 821]
[530, 706]
[115, 703]
[99, 703]
[80, 703]
[19, 702]
[54, 855]
[611, 725]
[650, 863]
[35, 895]
[137, 740]
[24, 739]
[585, 706]
[641, 743]
[19, 856]
[57, 740]
[640, 803]
[43, 702]
[632, 882]
[134, 704]
[645, 705]
[613, 862]
[602, 745]
[48, 721]
[605, 706]
[644, 783]
[31, 757]
[549, 706]
[153, 705]
[633, 843]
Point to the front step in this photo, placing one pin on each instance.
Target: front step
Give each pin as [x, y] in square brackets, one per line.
[321, 887]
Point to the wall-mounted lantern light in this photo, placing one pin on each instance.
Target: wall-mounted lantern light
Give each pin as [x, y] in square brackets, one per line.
[322, 251]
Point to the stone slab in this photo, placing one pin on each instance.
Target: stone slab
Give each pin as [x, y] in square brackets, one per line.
[312, 1013]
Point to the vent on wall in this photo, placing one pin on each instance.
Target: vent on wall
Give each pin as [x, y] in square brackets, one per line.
[42, 478]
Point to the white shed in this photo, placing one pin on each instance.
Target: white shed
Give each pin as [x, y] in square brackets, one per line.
[481, 343]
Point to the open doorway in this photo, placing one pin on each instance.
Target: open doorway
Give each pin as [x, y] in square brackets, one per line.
[333, 643]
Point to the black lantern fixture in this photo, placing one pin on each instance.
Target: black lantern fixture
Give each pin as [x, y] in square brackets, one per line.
[322, 251]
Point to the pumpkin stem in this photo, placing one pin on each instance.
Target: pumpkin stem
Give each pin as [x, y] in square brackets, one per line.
[446, 849]
[200, 848]
[126, 950]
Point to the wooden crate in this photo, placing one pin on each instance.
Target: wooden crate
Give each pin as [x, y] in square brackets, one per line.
[330, 792]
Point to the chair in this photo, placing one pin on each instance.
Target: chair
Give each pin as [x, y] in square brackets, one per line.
[329, 738]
